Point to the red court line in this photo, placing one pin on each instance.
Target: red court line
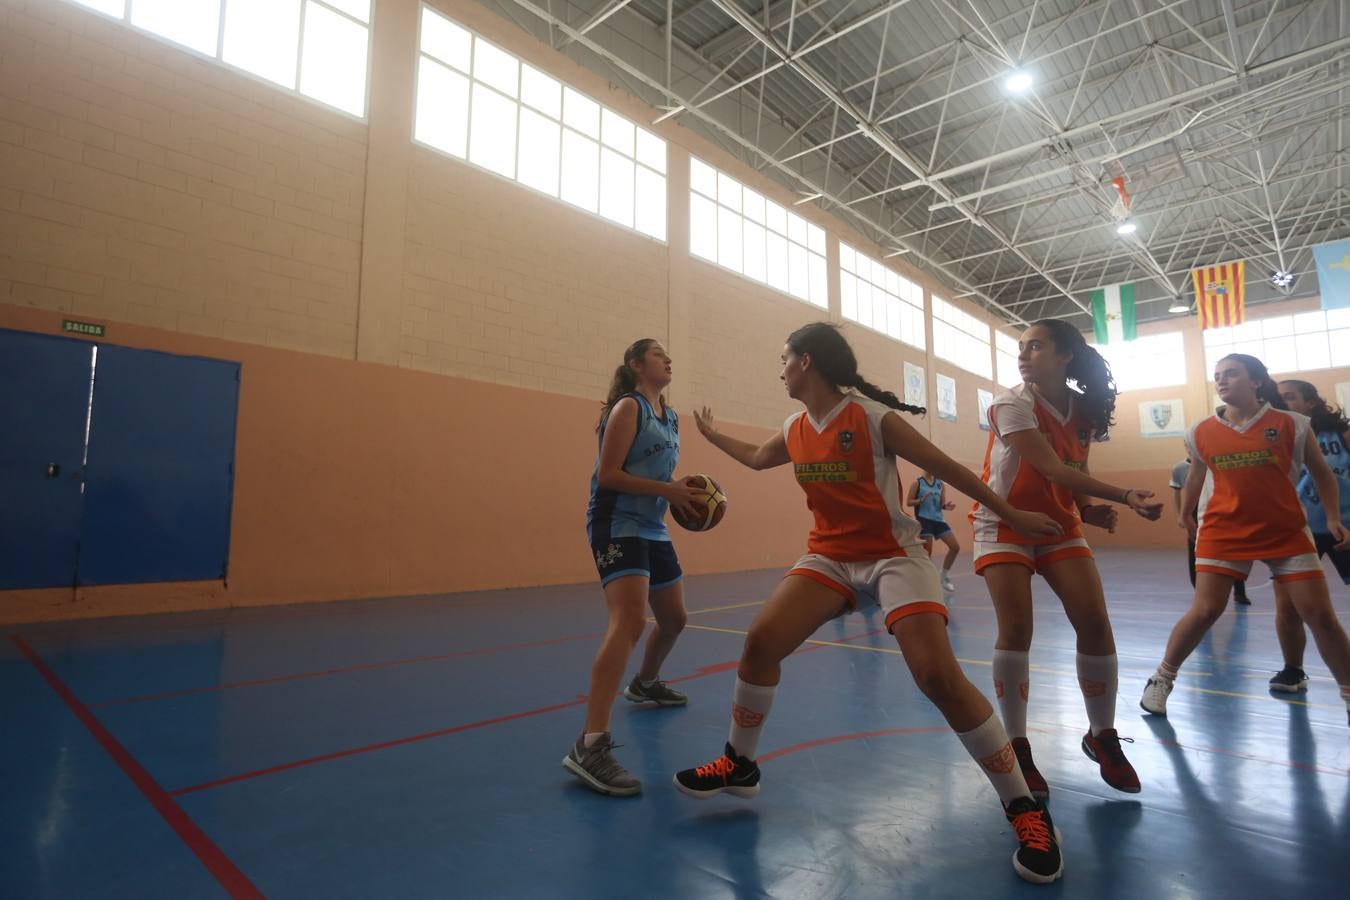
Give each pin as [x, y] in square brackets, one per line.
[235, 882]
[341, 670]
[398, 742]
[271, 770]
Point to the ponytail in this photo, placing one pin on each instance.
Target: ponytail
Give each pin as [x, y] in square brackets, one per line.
[1324, 416]
[887, 398]
[833, 358]
[1090, 373]
[1266, 389]
[624, 381]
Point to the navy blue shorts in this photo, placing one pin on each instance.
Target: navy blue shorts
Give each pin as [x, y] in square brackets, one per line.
[934, 528]
[655, 560]
[1339, 558]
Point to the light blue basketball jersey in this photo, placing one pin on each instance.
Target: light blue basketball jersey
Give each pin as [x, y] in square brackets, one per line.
[1333, 448]
[930, 499]
[654, 453]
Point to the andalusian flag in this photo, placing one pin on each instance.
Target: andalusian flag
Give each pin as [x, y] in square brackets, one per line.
[1113, 313]
[1219, 296]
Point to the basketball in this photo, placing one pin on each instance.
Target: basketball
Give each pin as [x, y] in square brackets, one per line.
[714, 505]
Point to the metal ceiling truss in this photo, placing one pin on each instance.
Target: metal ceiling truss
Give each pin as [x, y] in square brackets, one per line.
[1226, 117]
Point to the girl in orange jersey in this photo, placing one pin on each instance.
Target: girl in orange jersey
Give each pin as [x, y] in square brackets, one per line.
[1254, 449]
[1040, 432]
[843, 447]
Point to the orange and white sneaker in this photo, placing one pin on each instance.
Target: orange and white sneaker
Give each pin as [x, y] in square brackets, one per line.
[729, 772]
[1038, 859]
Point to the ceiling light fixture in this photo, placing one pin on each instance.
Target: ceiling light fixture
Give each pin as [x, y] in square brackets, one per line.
[1126, 226]
[1019, 81]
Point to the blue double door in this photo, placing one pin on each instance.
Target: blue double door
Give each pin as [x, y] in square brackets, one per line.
[116, 465]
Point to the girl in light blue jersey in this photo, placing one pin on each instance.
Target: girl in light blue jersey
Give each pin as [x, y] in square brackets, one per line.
[1332, 429]
[632, 486]
[928, 497]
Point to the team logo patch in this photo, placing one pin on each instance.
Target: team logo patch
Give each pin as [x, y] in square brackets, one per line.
[746, 718]
[1092, 688]
[846, 441]
[610, 555]
[998, 688]
[1024, 688]
[1272, 434]
[1000, 763]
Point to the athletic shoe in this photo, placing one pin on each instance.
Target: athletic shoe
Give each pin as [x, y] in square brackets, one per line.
[1035, 781]
[657, 692]
[729, 772]
[947, 585]
[1290, 680]
[1038, 859]
[1155, 695]
[598, 769]
[1104, 750]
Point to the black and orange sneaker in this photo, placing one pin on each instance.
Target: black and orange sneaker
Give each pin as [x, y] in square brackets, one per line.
[1035, 781]
[1104, 750]
[729, 772]
[1038, 859]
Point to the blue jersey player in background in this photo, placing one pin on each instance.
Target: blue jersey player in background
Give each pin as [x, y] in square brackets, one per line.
[1332, 431]
[928, 498]
[631, 489]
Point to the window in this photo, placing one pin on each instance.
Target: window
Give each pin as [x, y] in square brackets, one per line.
[1005, 349]
[479, 103]
[960, 338]
[1155, 360]
[318, 48]
[874, 296]
[738, 228]
[1296, 343]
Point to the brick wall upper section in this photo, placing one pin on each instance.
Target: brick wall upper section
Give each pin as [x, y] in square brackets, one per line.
[506, 285]
[142, 183]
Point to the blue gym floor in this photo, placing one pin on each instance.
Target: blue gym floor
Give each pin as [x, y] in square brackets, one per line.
[411, 748]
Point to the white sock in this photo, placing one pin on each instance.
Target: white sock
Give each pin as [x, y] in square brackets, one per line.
[1012, 683]
[1166, 670]
[589, 738]
[750, 706]
[1097, 678]
[946, 570]
[988, 745]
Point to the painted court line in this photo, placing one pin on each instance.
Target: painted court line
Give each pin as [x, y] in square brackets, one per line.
[375, 666]
[1038, 669]
[341, 670]
[226, 873]
[702, 672]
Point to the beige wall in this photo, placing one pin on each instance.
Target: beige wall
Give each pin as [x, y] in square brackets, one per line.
[390, 305]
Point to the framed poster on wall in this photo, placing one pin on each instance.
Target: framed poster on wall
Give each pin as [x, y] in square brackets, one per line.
[946, 398]
[916, 386]
[1162, 418]
[985, 399]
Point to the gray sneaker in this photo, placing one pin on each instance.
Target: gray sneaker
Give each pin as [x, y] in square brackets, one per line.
[656, 692]
[598, 769]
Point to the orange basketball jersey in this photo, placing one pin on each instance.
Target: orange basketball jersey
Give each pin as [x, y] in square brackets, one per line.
[1249, 508]
[1015, 480]
[851, 484]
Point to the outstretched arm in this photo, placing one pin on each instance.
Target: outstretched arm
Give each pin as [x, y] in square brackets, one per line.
[1032, 446]
[772, 452]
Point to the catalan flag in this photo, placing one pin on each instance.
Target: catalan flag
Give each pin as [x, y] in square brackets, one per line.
[1219, 297]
